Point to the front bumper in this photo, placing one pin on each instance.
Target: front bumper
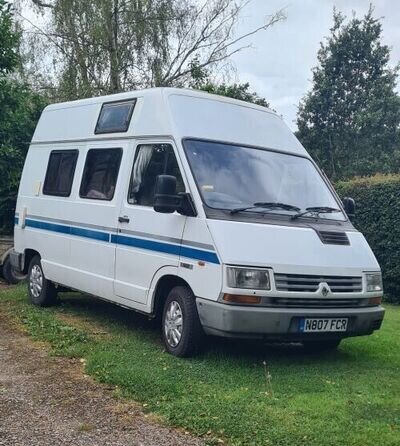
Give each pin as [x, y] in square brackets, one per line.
[282, 323]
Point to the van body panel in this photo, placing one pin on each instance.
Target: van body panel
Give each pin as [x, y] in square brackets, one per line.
[152, 237]
[84, 120]
[221, 121]
[144, 238]
[289, 249]
[205, 278]
[170, 111]
[93, 253]
[38, 212]
[155, 281]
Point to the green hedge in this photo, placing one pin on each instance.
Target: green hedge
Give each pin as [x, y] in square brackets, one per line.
[378, 218]
[7, 211]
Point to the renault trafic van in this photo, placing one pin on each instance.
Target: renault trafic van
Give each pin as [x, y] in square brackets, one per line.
[204, 210]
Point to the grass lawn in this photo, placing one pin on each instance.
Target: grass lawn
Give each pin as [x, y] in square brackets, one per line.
[349, 397]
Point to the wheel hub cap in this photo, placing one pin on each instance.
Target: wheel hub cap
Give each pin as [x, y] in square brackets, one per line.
[173, 324]
[36, 281]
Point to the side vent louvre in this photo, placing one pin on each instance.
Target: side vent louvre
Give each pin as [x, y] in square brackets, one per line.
[333, 238]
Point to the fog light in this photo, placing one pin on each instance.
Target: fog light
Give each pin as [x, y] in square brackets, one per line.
[374, 300]
[239, 299]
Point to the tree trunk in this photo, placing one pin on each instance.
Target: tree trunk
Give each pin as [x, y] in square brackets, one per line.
[332, 158]
[115, 85]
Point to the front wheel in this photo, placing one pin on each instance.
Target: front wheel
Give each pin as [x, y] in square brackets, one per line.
[41, 291]
[181, 328]
[321, 346]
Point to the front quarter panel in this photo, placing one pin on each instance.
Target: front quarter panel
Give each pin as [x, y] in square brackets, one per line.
[203, 276]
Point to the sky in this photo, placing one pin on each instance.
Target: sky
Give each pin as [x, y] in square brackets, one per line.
[279, 65]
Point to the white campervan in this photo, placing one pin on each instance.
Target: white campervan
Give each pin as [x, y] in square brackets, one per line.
[203, 209]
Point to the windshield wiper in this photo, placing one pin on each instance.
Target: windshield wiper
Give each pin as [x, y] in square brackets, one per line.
[267, 205]
[315, 210]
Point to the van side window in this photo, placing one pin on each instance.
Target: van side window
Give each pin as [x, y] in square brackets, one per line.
[100, 174]
[60, 173]
[115, 117]
[152, 160]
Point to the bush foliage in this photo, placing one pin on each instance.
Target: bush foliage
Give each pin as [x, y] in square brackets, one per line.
[349, 122]
[20, 108]
[377, 213]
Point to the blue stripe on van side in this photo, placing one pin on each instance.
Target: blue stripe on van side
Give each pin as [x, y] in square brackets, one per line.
[198, 254]
[146, 244]
[63, 229]
[47, 226]
[16, 220]
[151, 245]
[89, 233]
[167, 248]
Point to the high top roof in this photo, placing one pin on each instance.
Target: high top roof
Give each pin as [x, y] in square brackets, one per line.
[174, 112]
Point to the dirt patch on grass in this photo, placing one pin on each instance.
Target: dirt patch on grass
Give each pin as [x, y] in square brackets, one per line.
[50, 401]
[86, 325]
[4, 286]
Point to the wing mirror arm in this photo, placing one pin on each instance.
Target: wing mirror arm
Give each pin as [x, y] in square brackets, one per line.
[187, 205]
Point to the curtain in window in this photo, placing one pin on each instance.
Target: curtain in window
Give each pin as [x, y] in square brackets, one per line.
[141, 164]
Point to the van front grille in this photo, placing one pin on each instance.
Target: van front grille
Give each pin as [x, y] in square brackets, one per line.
[294, 302]
[334, 238]
[307, 283]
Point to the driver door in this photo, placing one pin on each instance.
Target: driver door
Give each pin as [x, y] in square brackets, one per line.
[146, 240]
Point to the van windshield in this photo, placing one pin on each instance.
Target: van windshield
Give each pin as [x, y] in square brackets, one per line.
[231, 176]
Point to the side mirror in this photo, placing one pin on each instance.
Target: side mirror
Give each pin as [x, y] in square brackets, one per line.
[349, 206]
[166, 199]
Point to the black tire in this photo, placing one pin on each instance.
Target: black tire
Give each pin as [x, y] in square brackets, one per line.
[192, 334]
[321, 346]
[41, 291]
[10, 274]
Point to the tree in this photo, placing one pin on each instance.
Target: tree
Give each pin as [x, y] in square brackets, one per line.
[236, 91]
[201, 80]
[350, 119]
[19, 110]
[107, 46]
[8, 40]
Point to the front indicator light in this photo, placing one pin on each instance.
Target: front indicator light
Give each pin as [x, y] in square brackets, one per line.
[374, 282]
[374, 300]
[239, 299]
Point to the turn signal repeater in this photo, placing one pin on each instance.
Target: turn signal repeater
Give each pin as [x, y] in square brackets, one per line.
[239, 299]
[375, 300]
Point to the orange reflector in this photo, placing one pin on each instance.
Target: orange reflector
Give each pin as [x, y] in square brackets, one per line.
[375, 300]
[239, 299]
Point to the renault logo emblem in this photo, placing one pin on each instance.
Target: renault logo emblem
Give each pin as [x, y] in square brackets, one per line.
[324, 289]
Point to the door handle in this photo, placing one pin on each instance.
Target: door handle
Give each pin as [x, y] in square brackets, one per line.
[123, 219]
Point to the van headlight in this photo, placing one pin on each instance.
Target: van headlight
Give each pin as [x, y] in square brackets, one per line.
[374, 282]
[255, 279]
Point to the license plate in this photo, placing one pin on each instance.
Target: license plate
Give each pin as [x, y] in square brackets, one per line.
[323, 325]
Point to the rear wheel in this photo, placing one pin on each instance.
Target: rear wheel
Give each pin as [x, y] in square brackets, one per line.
[321, 346]
[41, 291]
[181, 328]
[10, 274]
